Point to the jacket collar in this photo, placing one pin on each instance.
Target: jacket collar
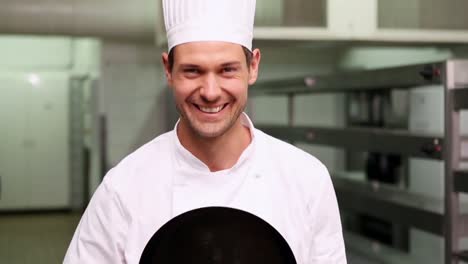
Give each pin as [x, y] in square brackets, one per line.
[185, 160]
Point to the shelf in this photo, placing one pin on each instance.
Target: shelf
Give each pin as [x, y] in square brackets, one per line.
[420, 36]
[296, 34]
[362, 139]
[380, 36]
[390, 203]
[380, 79]
[396, 205]
[447, 216]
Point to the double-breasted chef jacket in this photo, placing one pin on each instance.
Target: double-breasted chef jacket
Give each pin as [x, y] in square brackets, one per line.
[283, 185]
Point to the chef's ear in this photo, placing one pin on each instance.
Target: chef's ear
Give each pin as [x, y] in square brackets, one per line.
[254, 66]
[167, 68]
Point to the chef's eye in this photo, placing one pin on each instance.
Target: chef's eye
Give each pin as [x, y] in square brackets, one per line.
[191, 71]
[229, 70]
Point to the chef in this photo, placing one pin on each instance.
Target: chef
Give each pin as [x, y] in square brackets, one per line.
[214, 156]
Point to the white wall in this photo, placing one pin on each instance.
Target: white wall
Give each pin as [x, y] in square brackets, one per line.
[34, 88]
[26, 53]
[132, 98]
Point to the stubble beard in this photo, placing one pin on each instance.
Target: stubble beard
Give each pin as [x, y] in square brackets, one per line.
[210, 130]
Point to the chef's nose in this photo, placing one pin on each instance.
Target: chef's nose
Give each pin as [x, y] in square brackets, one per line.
[211, 89]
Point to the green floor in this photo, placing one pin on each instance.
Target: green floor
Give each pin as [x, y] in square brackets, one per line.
[44, 238]
[41, 238]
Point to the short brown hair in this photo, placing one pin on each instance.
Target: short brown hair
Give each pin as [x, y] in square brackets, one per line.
[247, 52]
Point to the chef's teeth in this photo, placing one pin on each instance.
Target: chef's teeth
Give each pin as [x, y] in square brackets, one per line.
[211, 109]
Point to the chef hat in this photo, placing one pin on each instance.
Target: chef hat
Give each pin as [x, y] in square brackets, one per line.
[209, 20]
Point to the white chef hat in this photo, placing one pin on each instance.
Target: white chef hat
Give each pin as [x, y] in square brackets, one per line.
[209, 20]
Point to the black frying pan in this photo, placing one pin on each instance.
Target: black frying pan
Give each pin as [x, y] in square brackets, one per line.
[217, 235]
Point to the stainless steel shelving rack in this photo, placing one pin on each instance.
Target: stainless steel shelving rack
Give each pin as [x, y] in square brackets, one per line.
[448, 217]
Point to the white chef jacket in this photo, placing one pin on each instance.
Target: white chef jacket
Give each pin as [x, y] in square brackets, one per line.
[285, 186]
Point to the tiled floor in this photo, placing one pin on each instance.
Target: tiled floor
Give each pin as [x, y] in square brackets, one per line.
[35, 239]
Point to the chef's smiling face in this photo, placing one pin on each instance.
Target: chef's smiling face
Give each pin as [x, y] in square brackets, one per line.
[210, 83]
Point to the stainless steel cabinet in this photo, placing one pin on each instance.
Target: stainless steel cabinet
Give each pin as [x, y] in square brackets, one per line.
[358, 21]
[423, 14]
[34, 144]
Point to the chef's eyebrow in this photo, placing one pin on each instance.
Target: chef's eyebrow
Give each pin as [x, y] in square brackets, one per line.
[188, 65]
[231, 63]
